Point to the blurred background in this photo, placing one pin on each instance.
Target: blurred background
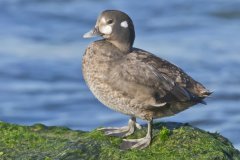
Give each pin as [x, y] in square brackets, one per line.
[41, 48]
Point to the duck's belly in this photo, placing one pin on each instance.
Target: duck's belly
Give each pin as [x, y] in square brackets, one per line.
[114, 99]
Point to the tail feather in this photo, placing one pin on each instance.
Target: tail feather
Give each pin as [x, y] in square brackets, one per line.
[206, 94]
[199, 100]
[203, 95]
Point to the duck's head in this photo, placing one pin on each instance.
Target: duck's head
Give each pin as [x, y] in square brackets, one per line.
[115, 27]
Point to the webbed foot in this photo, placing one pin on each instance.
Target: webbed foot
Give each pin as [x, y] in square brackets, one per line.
[135, 143]
[122, 131]
[138, 143]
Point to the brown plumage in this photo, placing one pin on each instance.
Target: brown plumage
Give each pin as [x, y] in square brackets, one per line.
[133, 81]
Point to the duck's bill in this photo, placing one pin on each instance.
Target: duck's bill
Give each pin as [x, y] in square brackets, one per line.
[92, 33]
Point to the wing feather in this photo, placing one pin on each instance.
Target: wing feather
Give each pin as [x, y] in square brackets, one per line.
[138, 75]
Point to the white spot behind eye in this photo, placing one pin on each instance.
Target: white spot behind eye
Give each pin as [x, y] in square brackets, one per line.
[124, 24]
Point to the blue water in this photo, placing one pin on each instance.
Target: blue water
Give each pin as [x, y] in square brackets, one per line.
[42, 46]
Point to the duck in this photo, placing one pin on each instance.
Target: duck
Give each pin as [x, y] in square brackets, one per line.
[133, 81]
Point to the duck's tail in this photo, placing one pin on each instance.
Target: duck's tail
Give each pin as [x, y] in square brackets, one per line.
[204, 95]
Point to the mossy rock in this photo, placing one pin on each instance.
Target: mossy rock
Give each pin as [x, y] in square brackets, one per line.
[172, 141]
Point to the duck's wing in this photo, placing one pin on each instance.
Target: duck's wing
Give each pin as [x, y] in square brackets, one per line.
[142, 75]
[176, 74]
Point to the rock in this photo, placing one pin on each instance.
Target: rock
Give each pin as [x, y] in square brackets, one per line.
[171, 141]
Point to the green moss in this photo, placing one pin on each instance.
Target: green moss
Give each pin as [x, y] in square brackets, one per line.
[164, 133]
[171, 141]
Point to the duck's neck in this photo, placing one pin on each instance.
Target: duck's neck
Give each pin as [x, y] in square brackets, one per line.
[124, 47]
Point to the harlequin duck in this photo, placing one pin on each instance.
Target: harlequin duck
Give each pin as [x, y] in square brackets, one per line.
[133, 81]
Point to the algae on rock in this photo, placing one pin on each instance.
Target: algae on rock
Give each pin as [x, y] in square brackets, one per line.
[171, 141]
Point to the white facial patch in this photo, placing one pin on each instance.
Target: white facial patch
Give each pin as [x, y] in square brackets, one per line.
[106, 29]
[124, 24]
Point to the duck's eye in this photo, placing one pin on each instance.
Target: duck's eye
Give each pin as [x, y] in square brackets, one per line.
[110, 21]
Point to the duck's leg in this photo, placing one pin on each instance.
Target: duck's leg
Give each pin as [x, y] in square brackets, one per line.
[122, 131]
[138, 143]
